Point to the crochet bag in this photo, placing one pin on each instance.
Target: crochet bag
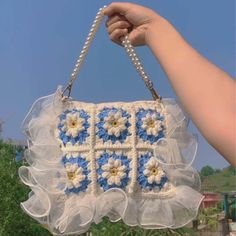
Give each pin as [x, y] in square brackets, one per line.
[129, 161]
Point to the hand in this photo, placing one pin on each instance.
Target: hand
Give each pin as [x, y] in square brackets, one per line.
[132, 18]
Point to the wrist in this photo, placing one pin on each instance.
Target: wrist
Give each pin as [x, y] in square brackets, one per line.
[165, 41]
[156, 30]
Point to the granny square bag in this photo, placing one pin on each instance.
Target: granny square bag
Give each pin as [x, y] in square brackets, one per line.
[129, 161]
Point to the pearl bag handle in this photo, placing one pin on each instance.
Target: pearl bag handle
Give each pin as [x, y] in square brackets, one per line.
[128, 48]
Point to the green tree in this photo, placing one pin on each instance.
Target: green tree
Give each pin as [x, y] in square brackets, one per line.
[206, 171]
[231, 170]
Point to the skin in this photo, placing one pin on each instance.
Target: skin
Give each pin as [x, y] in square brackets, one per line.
[206, 92]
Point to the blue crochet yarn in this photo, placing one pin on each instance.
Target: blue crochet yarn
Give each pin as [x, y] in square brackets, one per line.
[102, 160]
[81, 162]
[81, 138]
[142, 179]
[141, 133]
[102, 132]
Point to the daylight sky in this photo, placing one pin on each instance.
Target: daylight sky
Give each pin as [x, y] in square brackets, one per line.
[41, 39]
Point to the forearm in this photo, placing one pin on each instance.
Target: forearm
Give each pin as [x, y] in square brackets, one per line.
[206, 92]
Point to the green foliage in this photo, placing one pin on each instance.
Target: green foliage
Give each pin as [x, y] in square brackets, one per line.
[14, 222]
[229, 171]
[232, 209]
[106, 228]
[220, 181]
[209, 217]
[232, 170]
[207, 170]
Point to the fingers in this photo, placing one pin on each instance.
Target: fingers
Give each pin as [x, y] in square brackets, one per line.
[116, 7]
[112, 19]
[118, 25]
[117, 34]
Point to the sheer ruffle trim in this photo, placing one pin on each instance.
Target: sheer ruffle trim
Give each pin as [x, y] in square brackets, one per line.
[75, 214]
[65, 214]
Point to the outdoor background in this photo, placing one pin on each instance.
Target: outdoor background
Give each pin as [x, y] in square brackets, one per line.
[41, 40]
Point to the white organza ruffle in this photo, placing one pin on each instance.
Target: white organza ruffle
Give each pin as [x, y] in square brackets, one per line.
[66, 214]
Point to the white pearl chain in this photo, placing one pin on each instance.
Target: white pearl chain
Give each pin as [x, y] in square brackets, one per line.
[137, 64]
[89, 39]
[128, 48]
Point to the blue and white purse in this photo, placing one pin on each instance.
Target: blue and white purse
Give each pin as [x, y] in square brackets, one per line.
[129, 161]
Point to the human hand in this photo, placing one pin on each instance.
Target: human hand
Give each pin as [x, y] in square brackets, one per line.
[132, 18]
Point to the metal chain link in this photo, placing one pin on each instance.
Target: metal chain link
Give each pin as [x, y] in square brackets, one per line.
[128, 48]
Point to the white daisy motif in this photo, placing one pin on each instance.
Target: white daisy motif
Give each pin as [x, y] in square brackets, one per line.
[75, 175]
[113, 171]
[73, 124]
[151, 124]
[115, 123]
[153, 171]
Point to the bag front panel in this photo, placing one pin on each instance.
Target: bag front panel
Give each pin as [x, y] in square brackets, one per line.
[111, 145]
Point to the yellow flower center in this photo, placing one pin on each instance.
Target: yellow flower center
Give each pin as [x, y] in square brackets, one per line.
[151, 123]
[113, 171]
[73, 123]
[114, 123]
[154, 171]
[71, 175]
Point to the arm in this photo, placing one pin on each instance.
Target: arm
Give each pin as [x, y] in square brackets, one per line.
[206, 92]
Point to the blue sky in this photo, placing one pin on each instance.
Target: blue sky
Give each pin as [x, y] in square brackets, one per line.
[40, 42]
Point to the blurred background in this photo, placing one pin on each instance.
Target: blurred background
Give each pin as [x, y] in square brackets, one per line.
[41, 40]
